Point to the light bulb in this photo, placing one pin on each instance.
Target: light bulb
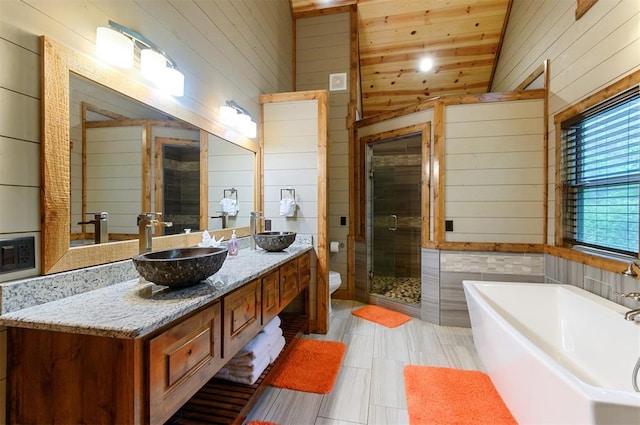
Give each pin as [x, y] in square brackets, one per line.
[152, 65]
[228, 115]
[426, 64]
[173, 82]
[114, 47]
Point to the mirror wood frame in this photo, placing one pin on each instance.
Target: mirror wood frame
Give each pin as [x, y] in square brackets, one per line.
[57, 61]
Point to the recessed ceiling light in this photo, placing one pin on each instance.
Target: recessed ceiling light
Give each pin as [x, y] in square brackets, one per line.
[426, 64]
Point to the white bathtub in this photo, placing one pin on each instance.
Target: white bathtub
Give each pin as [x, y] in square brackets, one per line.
[556, 354]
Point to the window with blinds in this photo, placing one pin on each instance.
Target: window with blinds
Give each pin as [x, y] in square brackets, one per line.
[601, 175]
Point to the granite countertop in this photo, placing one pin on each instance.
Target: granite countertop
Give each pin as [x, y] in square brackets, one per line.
[136, 307]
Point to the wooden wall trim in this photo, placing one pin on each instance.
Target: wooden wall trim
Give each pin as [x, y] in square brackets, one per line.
[604, 263]
[204, 179]
[503, 31]
[582, 6]
[55, 195]
[146, 167]
[486, 247]
[426, 184]
[83, 195]
[354, 177]
[532, 77]
[322, 279]
[453, 100]
[438, 172]
[310, 13]
[545, 146]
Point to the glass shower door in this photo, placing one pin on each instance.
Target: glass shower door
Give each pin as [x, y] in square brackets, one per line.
[395, 173]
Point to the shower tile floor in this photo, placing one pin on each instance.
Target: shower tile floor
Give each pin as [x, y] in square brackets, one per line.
[405, 289]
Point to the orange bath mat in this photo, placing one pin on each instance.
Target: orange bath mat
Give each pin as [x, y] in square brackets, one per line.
[443, 396]
[381, 316]
[312, 366]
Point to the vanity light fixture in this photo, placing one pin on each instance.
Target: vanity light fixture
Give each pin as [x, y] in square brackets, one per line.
[114, 47]
[117, 45]
[234, 115]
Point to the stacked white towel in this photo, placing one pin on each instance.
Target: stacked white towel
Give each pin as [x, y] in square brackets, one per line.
[229, 206]
[247, 366]
[287, 207]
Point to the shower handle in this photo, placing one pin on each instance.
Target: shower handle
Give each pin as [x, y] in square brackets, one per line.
[393, 222]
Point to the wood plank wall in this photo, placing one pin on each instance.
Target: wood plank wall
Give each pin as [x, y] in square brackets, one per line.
[323, 48]
[230, 166]
[494, 176]
[113, 177]
[290, 158]
[585, 56]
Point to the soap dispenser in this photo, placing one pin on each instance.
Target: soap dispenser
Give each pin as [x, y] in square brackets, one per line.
[232, 246]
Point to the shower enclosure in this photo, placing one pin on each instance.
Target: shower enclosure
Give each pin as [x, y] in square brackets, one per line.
[395, 218]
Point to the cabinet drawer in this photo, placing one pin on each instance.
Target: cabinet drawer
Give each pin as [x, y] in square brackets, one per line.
[270, 296]
[304, 271]
[242, 317]
[288, 282]
[181, 360]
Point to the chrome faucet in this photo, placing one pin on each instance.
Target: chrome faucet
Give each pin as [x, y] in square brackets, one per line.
[253, 224]
[101, 223]
[632, 314]
[223, 216]
[146, 223]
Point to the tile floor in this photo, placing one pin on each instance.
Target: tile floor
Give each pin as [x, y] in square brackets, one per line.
[370, 385]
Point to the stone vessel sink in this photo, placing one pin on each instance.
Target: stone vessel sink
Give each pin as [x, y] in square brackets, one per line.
[179, 267]
[274, 241]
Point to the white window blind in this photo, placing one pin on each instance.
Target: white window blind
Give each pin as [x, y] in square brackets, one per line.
[601, 175]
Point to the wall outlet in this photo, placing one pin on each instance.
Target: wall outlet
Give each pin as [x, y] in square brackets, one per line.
[17, 254]
[448, 225]
[343, 221]
[267, 225]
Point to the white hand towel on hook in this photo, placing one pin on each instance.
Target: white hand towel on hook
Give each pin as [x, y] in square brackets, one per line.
[229, 206]
[287, 207]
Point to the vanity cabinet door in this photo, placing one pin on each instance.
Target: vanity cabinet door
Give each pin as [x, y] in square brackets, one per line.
[304, 271]
[242, 317]
[181, 360]
[288, 282]
[270, 296]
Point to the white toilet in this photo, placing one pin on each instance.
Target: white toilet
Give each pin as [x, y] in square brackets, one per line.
[335, 280]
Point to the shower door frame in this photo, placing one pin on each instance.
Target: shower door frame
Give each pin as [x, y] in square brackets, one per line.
[426, 202]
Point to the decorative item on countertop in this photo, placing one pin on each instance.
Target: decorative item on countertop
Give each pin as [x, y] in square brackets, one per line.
[232, 245]
[288, 203]
[207, 240]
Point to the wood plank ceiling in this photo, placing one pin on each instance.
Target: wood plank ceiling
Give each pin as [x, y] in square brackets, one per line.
[462, 37]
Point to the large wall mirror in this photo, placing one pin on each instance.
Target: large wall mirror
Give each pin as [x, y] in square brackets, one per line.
[111, 145]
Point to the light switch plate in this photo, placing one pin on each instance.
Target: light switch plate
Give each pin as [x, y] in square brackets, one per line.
[338, 81]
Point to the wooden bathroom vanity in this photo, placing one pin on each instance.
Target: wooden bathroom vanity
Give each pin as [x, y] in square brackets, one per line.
[65, 368]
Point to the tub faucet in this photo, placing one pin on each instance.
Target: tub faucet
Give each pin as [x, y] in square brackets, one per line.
[253, 224]
[632, 314]
[146, 223]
